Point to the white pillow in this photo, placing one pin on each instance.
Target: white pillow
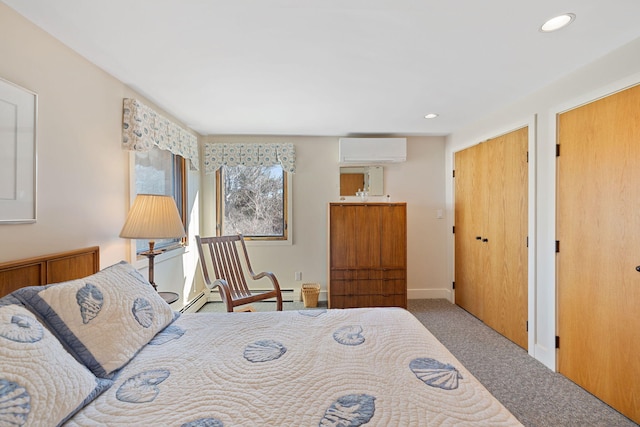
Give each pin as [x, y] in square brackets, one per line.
[40, 383]
[103, 319]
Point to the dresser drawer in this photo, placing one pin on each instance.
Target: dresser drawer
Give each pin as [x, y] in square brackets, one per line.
[345, 301]
[355, 287]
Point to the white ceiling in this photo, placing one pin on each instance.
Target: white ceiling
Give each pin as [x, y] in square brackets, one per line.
[334, 67]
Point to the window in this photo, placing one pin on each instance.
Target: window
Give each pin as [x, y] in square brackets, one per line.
[161, 172]
[252, 200]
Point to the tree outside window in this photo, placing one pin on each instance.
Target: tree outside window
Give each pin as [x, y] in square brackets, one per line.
[252, 200]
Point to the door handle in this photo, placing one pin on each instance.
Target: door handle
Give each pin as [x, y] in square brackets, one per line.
[480, 238]
[638, 268]
[485, 240]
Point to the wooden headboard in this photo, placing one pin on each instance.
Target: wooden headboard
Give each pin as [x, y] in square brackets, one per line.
[53, 268]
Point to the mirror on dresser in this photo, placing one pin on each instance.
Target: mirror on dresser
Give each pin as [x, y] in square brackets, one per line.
[355, 178]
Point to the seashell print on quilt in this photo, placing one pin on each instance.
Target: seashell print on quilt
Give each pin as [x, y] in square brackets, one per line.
[143, 312]
[143, 387]
[351, 410]
[22, 328]
[15, 404]
[312, 313]
[349, 335]
[90, 300]
[171, 332]
[264, 351]
[435, 373]
[204, 422]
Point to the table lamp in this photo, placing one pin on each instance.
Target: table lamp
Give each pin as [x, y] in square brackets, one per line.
[153, 217]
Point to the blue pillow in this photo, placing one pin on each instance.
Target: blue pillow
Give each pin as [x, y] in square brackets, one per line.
[103, 319]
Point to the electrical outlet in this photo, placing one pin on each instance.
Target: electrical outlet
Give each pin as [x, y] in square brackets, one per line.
[298, 275]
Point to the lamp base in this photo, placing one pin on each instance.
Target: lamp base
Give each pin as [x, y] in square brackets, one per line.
[151, 254]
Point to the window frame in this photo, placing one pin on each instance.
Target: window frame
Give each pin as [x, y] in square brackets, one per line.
[287, 238]
[180, 163]
[179, 169]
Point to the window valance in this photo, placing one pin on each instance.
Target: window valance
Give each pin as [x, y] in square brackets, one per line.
[143, 128]
[216, 155]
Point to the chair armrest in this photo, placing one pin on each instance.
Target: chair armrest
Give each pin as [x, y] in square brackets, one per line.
[276, 286]
[225, 292]
[271, 277]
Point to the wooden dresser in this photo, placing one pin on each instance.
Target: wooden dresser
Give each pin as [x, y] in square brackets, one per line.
[367, 255]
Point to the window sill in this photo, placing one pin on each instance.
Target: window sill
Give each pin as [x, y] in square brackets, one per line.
[250, 242]
[142, 261]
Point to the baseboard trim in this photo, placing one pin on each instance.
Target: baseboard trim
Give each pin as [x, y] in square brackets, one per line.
[430, 294]
[545, 356]
[411, 294]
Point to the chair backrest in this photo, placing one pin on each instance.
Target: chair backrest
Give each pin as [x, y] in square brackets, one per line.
[220, 254]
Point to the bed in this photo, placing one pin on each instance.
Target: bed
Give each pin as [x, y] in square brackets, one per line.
[107, 350]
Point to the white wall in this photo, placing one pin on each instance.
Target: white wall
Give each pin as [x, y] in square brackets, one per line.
[84, 188]
[613, 72]
[83, 173]
[419, 181]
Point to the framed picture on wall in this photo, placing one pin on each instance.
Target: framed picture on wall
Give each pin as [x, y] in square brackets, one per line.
[18, 118]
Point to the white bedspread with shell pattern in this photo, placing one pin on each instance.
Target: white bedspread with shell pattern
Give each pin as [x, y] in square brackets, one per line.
[374, 367]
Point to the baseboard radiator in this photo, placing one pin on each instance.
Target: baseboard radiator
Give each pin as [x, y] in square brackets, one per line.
[195, 304]
[288, 295]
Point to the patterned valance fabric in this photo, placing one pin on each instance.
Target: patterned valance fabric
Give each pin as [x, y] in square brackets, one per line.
[216, 155]
[143, 128]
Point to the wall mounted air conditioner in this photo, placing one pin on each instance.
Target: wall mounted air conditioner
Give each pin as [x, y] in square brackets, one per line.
[372, 150]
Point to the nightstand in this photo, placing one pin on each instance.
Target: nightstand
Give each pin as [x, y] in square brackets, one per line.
[169, 297]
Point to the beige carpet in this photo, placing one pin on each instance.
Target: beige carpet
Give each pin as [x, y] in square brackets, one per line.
[537, 396]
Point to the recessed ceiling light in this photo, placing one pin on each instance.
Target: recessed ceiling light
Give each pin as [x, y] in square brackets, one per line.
[558, 22]
[431, 116]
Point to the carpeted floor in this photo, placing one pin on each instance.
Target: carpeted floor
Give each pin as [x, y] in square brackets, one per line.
[537, 396]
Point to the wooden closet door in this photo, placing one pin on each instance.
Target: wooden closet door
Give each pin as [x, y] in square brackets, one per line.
[491, 190]
[470, 205]
[598, 227]
[505, 239]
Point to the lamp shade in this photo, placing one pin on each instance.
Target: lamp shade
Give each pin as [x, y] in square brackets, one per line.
[153, 217]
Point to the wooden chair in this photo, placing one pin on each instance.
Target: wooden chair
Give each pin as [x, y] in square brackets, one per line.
[221, 255]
